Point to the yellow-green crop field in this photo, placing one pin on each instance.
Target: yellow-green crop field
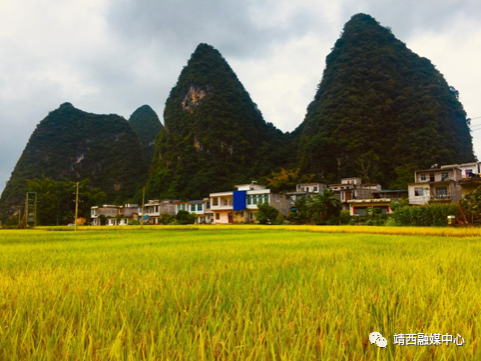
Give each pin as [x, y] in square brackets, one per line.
[235, 294]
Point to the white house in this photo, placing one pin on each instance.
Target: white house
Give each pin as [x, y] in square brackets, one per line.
[440, 184]
[241, 206]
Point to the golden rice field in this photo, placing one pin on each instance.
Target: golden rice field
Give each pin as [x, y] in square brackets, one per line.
[220, 294]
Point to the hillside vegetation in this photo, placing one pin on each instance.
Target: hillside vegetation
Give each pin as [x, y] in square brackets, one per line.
[146, 124]
[380, 100]
[70, 144]
[214, 135]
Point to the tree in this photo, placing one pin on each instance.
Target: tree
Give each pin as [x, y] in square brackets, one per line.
[319, 208]
[471, 204]
[56, 199]
[266, 214]
[184, 217]
[368, 166]
[286, 180]
[323, 207]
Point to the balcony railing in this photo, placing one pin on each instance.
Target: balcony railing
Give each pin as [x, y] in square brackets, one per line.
[442, 196]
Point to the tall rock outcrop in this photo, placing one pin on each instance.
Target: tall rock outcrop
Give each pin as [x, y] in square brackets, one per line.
[146, 124]
[380, 101]
[72, 144]
[214, 134]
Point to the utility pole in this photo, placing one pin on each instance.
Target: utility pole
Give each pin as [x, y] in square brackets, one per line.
[76, 208]
[35, 211]
[26, 211]
[143, 206]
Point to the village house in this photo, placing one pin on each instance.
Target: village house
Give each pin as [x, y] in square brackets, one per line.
[380, 200]
[353, 188]
[114, 215]
[437, 183]
[471, 177]
[306, 189]
[241, 206]
[155, 208]
[197, 207]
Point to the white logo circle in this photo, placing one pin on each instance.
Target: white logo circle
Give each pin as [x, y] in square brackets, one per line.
[373, 336]
[381, 342]
[378, 339]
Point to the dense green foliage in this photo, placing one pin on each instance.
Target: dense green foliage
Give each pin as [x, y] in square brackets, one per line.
[184, 217]
[426, 216]
[471, 205]
[266, 214]
[146, 124]
[286, 180]
[214, 135]
[55, 200]
[378, 97]
[70, 144]
[323, 208]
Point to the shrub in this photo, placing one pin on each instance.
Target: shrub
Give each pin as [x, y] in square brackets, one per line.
[428, 215]
[103, 220]
[167, 218]
[133, 222]
[184, 217]
[266, 214]
[280, 219]
[344, 217]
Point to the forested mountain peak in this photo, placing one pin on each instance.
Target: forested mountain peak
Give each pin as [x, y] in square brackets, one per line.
[145, 122]
[70, 144]
[379, 100]
[214, 134]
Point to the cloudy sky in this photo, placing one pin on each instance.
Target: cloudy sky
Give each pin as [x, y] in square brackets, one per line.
[112, 56]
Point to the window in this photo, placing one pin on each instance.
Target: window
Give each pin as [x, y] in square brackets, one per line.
[199, 208]
[192, 207]
[360, 210]
[207, 205]
[215, 201]
[423, 177]
[217, 216]
[315, 189]
[254, 201]
[249, 200]
[444, 176]
[431, 177]
[441, 192]
[418, 192]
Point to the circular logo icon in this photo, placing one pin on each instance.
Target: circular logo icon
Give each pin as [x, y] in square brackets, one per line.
[373, 336]
[378, 339]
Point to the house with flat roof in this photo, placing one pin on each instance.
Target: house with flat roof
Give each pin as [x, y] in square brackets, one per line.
[437, 183]
[306, 190]
[240, 206]
[155, 208]
[115, 215]
[353, 188]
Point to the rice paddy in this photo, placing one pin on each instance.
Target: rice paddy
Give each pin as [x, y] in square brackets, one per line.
[248, 293]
